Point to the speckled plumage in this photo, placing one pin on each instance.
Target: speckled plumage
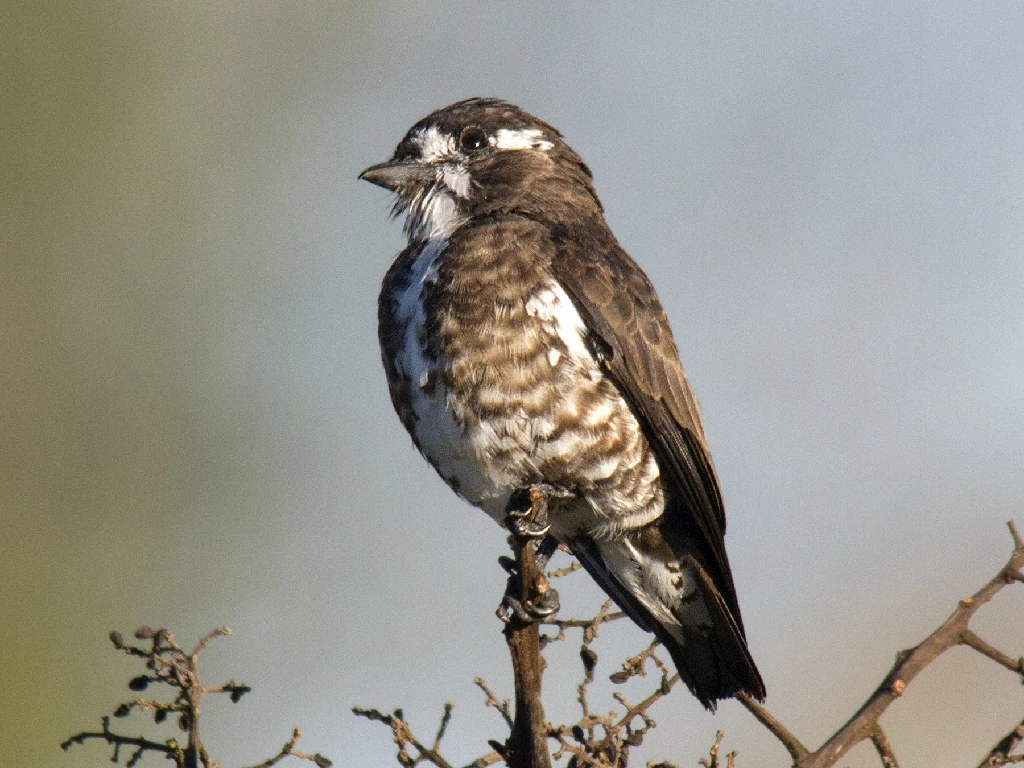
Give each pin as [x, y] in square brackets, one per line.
[522, 345]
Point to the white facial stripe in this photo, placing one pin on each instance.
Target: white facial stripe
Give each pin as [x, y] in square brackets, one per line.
[436, 148]
[521, 139]
[435, 145]
[434, 210]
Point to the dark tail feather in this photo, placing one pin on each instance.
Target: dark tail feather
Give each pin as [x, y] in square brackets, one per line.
[716, 665]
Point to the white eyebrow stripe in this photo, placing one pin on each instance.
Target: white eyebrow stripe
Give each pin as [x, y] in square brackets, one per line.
[529, 138]
[435, 145]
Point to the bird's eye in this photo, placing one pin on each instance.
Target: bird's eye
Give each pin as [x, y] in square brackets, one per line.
[471, 139]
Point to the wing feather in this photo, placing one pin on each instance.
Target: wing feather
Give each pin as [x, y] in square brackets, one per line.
[618, 304]
[634, 342]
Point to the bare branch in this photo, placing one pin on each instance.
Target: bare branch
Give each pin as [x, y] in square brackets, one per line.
[446, 718]
[503, 706]
[558, 573]
[604, 616]
[489, 759]
[792, 744]
[527, 745]
[167, 664]
[1000, 753]
[640, 708]
[711, 761]
[971, 640]
[883, 748]
[604, 740]
[201, 645]
[865, 723]
[289, 749]
[403, 735]
[171, 749]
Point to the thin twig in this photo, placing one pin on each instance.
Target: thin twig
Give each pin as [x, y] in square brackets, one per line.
[971, 640]
[1000, 753]
[402, 735]
[503, 705]
[883, 748]
[118, 740]
[201, 645]
[711, 761]
[558, 573]
[446, 718]
[792, 744]
[489, 759]
[641, 708]
[289, 749]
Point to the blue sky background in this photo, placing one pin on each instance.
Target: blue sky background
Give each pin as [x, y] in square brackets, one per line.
[195, 430]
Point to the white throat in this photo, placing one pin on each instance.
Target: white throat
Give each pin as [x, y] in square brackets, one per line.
[432, 213]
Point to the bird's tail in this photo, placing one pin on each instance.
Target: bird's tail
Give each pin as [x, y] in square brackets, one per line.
[679, 602]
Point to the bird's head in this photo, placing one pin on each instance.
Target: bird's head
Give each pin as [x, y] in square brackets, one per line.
[482, 156]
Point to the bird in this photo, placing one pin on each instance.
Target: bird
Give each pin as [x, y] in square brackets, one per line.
[523, 347]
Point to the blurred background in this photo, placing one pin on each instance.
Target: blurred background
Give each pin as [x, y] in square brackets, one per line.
[195, 428]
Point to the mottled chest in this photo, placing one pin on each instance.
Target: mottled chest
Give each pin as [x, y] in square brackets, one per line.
[490, 368]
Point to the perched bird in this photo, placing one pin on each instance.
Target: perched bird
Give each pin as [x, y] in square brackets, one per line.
[524, 347]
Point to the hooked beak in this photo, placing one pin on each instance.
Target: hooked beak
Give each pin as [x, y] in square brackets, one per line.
[397, 175]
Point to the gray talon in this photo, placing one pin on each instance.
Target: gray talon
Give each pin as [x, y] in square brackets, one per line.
[528, 529]
[528, 509]
[547, 605]
[528, 613]
[504, 611]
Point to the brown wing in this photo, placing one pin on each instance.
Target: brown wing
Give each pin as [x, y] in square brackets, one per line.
[632, 337]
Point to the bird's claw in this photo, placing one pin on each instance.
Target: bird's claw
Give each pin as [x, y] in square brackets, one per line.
[527, 519]
[546, 604]
[514, 609]
[528, 509]
[528, 524]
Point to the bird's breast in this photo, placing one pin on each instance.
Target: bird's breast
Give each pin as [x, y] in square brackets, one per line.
[505, 393]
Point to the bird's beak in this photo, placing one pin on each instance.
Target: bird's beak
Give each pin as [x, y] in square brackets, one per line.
[398, 174]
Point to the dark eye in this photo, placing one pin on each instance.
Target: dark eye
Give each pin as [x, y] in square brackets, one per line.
[471, 139]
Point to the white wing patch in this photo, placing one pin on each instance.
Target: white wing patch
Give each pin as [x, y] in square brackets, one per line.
[553, 307]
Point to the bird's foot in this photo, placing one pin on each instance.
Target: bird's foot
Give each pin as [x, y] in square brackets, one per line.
[545, 602]
[528, 612]
[528, 595]
[528, 509]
